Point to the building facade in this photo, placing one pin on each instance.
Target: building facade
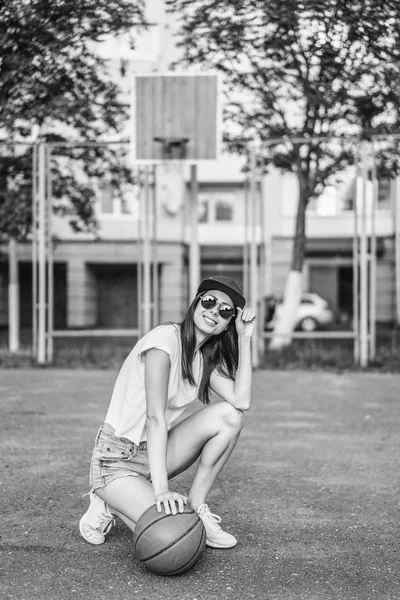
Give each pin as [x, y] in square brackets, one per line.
[97, 279]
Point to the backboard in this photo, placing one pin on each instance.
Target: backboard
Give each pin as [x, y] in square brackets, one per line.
[176, 117]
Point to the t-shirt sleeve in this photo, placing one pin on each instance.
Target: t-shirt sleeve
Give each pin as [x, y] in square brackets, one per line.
[163, 338]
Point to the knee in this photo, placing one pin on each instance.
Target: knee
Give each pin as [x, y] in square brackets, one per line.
[230, 416]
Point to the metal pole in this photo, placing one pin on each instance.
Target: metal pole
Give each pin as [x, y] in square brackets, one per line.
[253, 251]
[356, 262]
[146, 257]
[246, 290]
[13, 297]
[267, 238]
[263, 263]
[41, 352]
[34, 248]
[156, 290]
[261, 220]
[140, 255]
[364, 261]
[194, 250]
[50, 261]
[372, 272]
[396, 209]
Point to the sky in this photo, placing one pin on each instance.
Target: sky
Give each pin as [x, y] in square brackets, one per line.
[147, 45]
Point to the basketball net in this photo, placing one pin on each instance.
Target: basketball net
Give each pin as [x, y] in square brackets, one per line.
[171, 186]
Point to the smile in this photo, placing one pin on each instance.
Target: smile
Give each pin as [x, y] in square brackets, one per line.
[209, 321]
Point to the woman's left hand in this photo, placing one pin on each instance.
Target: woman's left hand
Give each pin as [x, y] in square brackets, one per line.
[245, 321]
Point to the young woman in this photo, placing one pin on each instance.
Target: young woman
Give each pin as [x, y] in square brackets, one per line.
[140, 447]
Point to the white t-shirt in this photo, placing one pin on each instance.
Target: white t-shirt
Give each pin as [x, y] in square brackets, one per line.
[127, 410]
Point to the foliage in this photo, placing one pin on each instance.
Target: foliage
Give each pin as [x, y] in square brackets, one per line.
[54, 87]
[15, 191]
[298, 62]
[295, 70]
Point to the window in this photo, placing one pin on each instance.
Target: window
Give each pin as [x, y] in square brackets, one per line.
[224, 210]
[126, 203]
[106, 200]
[216, 207]
[384, 193]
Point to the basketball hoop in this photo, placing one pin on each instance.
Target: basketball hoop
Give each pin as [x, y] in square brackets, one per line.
[176, 117]
[172, 147]
[171, 180]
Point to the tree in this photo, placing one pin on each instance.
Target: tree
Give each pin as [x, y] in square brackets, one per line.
[298, 70]
[53, 83]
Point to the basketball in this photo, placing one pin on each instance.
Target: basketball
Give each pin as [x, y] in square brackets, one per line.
[169, 544]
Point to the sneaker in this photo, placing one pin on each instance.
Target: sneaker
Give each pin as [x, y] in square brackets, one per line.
[97, 521]
[216, 536]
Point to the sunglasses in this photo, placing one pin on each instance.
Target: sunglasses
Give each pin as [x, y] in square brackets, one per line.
[225, 310]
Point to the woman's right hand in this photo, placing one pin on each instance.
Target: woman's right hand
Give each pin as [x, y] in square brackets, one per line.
[169, 501]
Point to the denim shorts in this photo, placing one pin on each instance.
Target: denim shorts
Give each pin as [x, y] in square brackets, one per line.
[114, 457]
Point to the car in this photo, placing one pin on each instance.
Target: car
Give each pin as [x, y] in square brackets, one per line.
[313, 312]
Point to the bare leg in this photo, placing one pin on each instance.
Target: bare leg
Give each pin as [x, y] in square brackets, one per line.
[131, 524]
[128, 497]
[211, 433]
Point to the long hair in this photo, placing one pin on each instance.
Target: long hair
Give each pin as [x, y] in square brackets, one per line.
[219, 351]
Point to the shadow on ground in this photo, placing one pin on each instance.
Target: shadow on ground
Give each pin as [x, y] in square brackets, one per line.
[311, 492]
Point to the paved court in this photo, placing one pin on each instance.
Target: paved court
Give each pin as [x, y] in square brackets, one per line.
[312, 493]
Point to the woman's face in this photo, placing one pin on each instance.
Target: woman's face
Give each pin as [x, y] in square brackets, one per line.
[208, 321]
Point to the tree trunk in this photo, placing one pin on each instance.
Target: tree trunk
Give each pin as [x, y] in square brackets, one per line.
[286, 320]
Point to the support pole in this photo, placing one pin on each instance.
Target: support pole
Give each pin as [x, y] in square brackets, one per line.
[155, 281]
[41, 351]
[253, 252]
[50, 260]
[396, 209]
[194, 250]
[140, 254]
[264, 268]
[13, 297]
[356, 265]
[146, 257]
[372, 270]
[34, 249]
[246, 287]
[364, 259]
